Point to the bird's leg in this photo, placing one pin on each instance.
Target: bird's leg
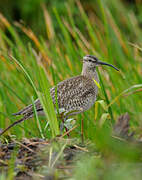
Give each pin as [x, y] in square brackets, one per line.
[65, 126]
[63, 119]
[61, 126]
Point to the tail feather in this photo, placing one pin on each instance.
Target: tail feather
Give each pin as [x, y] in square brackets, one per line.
[29, 109]
[24, 110]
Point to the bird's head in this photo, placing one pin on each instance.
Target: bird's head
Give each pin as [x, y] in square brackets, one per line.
[92, 61]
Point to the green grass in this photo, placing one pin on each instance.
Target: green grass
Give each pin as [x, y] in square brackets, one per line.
[113, 34]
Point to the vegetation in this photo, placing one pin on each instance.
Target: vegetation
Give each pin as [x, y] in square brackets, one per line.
[32, 62]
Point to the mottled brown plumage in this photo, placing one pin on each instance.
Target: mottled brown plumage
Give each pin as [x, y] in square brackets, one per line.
[74, 95]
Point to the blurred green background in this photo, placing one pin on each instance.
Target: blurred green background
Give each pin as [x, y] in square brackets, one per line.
[30, 11]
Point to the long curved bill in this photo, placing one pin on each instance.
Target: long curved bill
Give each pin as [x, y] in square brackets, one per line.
[103, 63]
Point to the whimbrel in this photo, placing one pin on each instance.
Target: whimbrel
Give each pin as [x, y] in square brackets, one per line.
[74, 95]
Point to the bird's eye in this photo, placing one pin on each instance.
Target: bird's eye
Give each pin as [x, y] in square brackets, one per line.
[90, 60]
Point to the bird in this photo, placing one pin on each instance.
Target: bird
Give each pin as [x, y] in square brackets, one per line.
[74, 95]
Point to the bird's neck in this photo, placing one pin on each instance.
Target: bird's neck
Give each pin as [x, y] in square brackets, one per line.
[91, 73]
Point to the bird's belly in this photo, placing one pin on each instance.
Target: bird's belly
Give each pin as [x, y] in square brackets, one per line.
[89, 103]
[78, 106]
